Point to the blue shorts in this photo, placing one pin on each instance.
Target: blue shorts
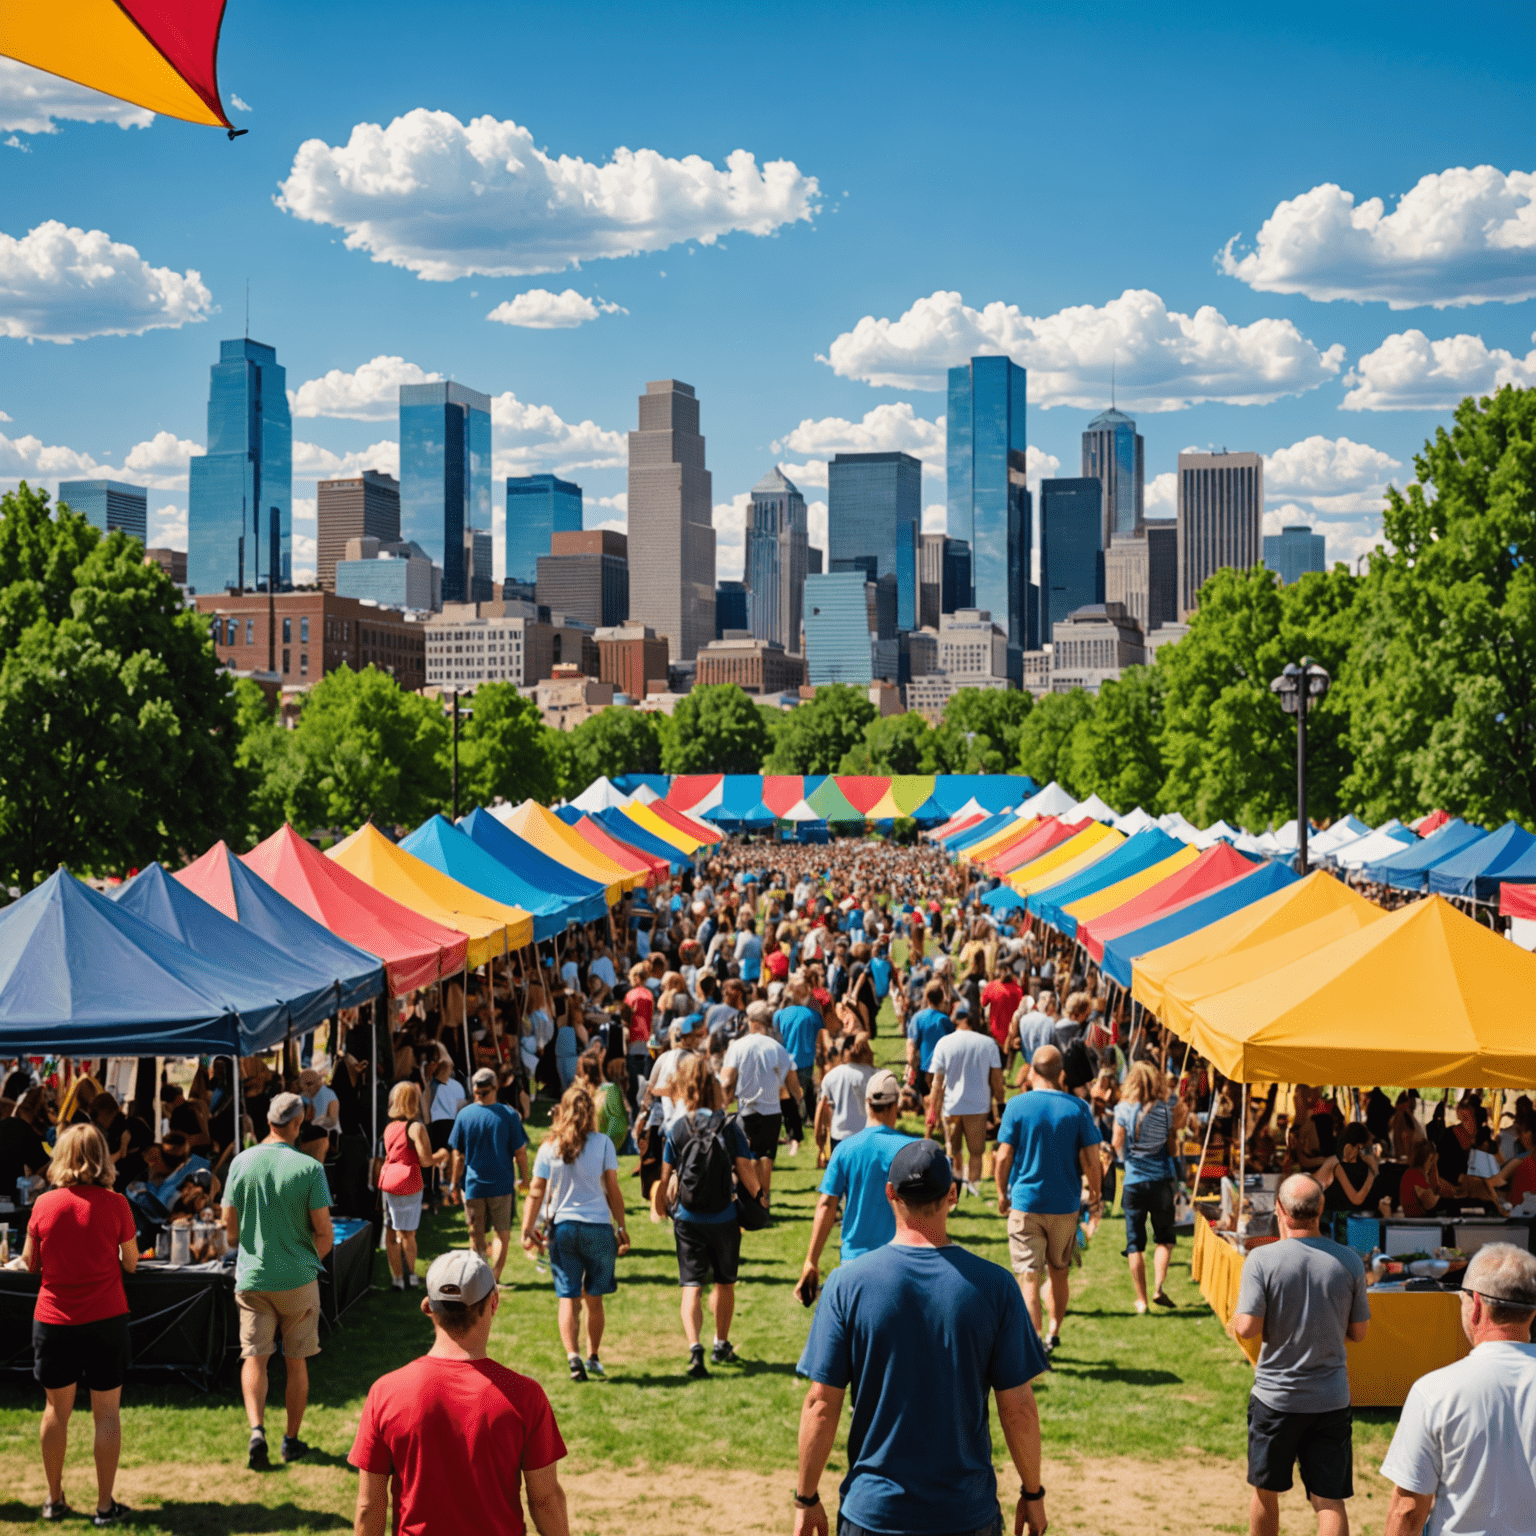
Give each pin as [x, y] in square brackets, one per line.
[581, 1258]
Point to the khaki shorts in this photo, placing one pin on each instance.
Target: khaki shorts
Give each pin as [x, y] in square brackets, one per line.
[966, 1132]
[493, 1211]
[295, 1315]
[1037, 1243]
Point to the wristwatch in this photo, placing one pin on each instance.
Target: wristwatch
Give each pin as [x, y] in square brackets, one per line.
[1032, 1498]
[806, 1500]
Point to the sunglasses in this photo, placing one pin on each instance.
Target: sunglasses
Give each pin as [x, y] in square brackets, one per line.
[1499, 1301]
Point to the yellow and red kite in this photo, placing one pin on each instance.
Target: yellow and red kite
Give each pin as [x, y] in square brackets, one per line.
[159, 54]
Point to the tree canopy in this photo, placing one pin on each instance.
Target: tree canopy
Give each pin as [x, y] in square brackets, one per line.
[817, 735]
[611, 742]
[715, 729]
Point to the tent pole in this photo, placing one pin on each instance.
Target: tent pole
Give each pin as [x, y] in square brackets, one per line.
[239, 1137]
[373, 1041]
[1241, 1226]
[469, 1049]
[1210, 1125]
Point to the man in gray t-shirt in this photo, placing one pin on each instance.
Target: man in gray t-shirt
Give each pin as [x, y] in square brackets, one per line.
[1304, 1297]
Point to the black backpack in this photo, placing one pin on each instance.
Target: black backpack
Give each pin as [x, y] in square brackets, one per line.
[705, 1168]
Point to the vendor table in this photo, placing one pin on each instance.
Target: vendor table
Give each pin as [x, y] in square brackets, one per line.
[1411, 1332]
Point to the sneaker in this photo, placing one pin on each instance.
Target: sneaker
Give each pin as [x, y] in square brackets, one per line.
[110, 1515]
[413, 1280]
[257, 1458]
[294, 1448]
[723, 1354]
[59, 1511]
[578, 1370]
[1052, 1343]
[595, 1366]
[697, 1371]
[1162, 1299]
[397, 1283]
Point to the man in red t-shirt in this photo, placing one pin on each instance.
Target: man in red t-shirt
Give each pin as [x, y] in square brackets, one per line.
[453, 1435]
[642, 1006]
[1001, 998]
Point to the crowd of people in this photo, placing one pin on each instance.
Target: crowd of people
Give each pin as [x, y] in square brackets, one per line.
[705, 1029]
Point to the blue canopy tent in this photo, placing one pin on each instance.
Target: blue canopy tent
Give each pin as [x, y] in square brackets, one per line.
[1132, 856]
[628, 783]
[233, 888]
[980, 832]
[1004, 899]
[741, 803]
[992, 792]
[1265, 880]
[588, 901]
[618, 825]
[82, 976]
[242, 955]
[1477, 871]
[1408, 870]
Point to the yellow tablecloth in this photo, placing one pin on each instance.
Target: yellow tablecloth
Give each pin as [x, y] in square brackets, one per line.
[1411, 1332]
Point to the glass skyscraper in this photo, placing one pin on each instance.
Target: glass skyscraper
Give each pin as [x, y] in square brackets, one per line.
[839, 635]
[109, 505]
[240, 495]
[874, 521]
[1071, 548]
[988, 504]
[445, 475]
[538, 507]
[776, 559]
[1290, 554]
[1114, 452]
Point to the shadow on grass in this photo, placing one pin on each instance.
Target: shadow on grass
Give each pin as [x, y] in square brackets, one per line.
[1126, 1376]
[207, 1518]
[722, 1373]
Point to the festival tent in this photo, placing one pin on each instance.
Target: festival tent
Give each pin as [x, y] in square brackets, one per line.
[995, 791]
[645, 795]
[600, 795]
[1431, 823]
[782, 790]
[831, 804]
[493, 927]
[695, 791]
[1134, 821]
[1432, 998]
[226, 884]
[1176, 826]
[971, 814]
[1477, 870]
[633, 835]
[654, 784]
[1095, 807]
[862, 791]
[1189, 917]
[1004, 899]
[453, 852]
[740, 804]
[1345, 830]
[1135, 855]
[801, 812]
[652, 867]
[1110, 898]
[1053, 800]
[1066, 859]
[978, 832]
[905, 795]
[1247, 843]
[1217, 866]
[586, 900]
[1005, 837]
[1217, 832]
[260, 969]
[649, 818]
[1517, 901]
[415, 951]
[1272, 905]
[1389, 838]
[1039, 839]
[82, 976]
[686, 823]
[1407, 869]
[547, 832]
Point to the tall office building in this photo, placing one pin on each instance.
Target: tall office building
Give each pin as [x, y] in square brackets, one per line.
[477, 565]
[874, 518]
[1290, 554]
[1115, 453]
[989, 507]
[365, 506]
[1221, 512]
[672, 540]
[1071, 548]
[445, 475]
[538, 507]
[778, 559]
[240, 492]
[1162, 537]
[110, 505]
[842, 630]
[944, 577]
[733, 608]
[586, 576]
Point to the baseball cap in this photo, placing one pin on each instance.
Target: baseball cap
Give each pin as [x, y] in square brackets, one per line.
[284, 1108]
[921, 1171]
[882, 1088]
[459, 1275]
[484, 1078]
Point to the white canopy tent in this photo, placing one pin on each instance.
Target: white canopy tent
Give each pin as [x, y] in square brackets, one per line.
[800, 811]
[1176, 826]
[599, 795]
[1053, 800]
[1135, 821]
[1218, 831]
[1380, 844]
[1093, 806]
[642, 796]
[972, 808]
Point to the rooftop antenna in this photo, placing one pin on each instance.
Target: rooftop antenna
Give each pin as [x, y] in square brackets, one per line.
[247, 309]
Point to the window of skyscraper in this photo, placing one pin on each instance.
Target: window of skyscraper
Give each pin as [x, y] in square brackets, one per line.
[250, 631]
[304, 629]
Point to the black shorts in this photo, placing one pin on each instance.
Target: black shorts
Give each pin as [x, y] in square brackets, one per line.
[707, 1250]
[924, 1083]
[762, 1134]
[1152, 1199]
[1322, 1444]
[96, 1353]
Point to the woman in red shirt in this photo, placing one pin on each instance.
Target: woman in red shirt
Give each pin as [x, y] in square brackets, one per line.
[80, 1239]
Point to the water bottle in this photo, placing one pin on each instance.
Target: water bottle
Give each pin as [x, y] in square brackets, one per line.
[181, 1244]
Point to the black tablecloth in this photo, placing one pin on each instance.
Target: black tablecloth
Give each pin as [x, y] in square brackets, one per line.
[348, 1271]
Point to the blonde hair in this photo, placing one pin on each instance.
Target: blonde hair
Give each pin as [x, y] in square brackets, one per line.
[1143, 1084]
[404, 1101]
[574, 1119]
[699, 1087]
[80, 1156]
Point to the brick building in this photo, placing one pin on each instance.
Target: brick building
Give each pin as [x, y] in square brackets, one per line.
[631, 657]
[758, 666]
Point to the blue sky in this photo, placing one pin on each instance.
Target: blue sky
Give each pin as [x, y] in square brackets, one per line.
[917, 183]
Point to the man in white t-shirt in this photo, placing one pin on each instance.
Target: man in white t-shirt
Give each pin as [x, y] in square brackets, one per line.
[755, 1069]
[966, 1072]
[1463, 1457]
[840, 1112]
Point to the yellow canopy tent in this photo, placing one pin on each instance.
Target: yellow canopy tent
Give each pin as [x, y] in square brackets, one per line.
[492, 926]
[644, 816]
[999, 841]
[1424, 997]
[1116, 895]
[1286, 910]
[1065, 859]
[567, 846]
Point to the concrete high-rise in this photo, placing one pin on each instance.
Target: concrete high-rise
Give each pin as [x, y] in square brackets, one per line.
[874, 522]
[1290, 554]
[671, 536]
[777, 563]
[1115, 453]
[944, 577]
[988, 505]
[1221, 514]
[240, 492]
[445, 476]
[111, 505]
[538, 507]
[1071, 548]
[585, 575]
[365, 506]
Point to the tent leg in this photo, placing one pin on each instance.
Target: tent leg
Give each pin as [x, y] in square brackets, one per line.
[239, 1138]
[1241, 1227]
[469, 1049]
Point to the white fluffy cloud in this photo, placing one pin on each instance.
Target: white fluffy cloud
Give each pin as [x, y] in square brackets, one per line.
[541, 310]
[1409, 372]
[1162, 360]
[892, 428]
[63, 284]
[32, 101]
[730, 521]
[168, 528]
[1458, 237]
[238, 104]
[618, 503]
[531, 438]
[936, 518]
[29, 458]
[445, 199]
[816, 526]
[312, 462]
[160, 462]
[370, 392]
[1160, 496]
[1332, 473]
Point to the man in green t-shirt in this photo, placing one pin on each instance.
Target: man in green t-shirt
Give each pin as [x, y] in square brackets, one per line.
[277, 1213]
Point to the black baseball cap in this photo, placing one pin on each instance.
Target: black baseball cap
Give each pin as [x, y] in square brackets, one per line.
[920, 1172]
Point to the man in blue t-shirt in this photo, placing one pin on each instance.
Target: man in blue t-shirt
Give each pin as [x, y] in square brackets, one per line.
[922, 1331]
[1047, 1144]
[857, 1174]
[924, 1031]
[880, 972]
[798, 1025]
[489, 1144]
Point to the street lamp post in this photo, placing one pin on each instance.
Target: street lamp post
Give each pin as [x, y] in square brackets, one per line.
[455, 754]
[1300, 688]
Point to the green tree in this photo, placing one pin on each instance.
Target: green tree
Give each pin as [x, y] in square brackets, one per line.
[1045, 739]
[819, 733]
[1116, 752]
[892, 744]
[506, 750]
[611, 742]
[1441, 684]
[716, 729]
[118, 729]
[989, 722]
[267, 762]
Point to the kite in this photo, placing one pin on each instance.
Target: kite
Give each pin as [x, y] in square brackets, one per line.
[159, 54]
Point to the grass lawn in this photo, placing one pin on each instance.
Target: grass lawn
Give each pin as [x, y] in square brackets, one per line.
[1127, 1392]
